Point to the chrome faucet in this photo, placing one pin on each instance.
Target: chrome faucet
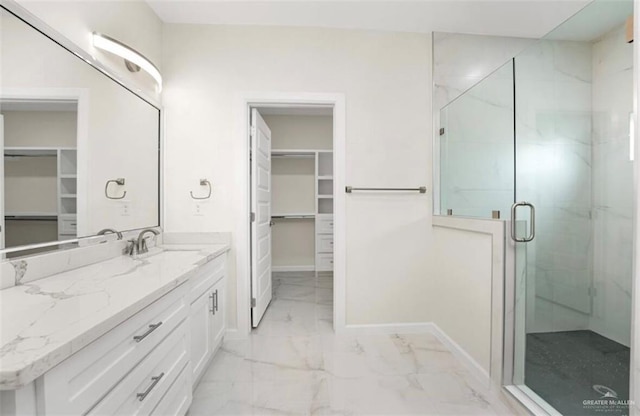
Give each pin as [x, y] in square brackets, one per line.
[110, 230]
[141, 244]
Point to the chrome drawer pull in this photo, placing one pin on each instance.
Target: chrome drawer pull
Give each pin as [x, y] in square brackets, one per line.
[215, 303]
[154, 381]
[152, 328]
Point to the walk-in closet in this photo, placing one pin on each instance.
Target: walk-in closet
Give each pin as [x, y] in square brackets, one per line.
[302, 189]
[40, 172]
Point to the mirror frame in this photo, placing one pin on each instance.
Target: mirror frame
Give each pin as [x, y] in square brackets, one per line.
[18, 11]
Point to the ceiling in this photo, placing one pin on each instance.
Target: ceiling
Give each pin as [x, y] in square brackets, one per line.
[523, 18]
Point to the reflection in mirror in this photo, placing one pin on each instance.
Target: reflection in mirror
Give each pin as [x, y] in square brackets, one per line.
[40, 171]
[66, 130]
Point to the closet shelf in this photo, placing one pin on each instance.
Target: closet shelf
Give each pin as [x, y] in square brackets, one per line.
[31, 215]
[325, 196]
[68, 195]
[293, 216]
[325, 177]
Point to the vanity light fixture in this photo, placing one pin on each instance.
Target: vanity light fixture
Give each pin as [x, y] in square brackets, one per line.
[132, 59]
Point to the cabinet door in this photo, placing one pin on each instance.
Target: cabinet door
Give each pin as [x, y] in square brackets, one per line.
[218, 322]
[201, 333]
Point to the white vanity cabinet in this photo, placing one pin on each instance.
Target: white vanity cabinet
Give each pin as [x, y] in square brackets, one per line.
[207, 320]
[147, 365]
[126, 371]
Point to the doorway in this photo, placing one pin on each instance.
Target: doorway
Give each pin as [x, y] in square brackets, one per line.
[292, 239]
[292, 229]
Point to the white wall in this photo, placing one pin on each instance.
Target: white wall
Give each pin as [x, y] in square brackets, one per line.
[132, 22]
[31, 185]
[300, 131]
[40, 128]
[387, 143]
[467, 292]
[463, 296]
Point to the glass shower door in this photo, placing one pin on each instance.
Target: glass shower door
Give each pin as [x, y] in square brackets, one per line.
[573, 227]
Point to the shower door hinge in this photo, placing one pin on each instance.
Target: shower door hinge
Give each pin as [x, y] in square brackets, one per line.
[442, 131]
[253, 216]
[253, 302]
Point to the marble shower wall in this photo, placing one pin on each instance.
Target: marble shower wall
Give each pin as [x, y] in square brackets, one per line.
[553, 162]
[612, 186]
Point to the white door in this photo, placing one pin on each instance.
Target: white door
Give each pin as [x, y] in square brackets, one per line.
[2, 183]
[260, 217]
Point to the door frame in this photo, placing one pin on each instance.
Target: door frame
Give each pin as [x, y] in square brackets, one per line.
[243, 103]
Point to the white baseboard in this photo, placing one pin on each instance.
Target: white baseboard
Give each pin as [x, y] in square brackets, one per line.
[426, 327]
[472, 365]
[405, 328]
[307, 268]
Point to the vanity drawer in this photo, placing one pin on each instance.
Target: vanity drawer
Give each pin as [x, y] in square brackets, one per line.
[68, 226]
[325, 224]
[78, 383]
[178, 399]
[143, 388]
[324, 243]
[206, 276]
[324, 262]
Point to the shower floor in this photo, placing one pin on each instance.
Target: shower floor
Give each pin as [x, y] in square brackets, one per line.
[564, 367]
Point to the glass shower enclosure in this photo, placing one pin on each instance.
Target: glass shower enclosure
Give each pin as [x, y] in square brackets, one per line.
[546, 142]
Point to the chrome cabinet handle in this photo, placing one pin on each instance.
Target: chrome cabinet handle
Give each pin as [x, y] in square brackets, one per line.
[152, 328]
[154, 380]
[532, 222]
[215, 300]
[213, 304]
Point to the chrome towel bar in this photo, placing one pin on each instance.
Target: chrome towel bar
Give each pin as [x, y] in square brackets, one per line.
[422, 189]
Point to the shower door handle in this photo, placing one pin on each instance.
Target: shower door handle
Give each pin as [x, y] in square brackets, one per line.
[532, 222]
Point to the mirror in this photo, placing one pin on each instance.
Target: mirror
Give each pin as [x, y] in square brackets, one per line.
[81, 151]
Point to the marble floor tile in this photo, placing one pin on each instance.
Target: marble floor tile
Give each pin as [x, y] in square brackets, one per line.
[295, 292]
[294, 364]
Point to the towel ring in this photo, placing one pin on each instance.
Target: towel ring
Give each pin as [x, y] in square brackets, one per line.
[203, 182]
[119, 181]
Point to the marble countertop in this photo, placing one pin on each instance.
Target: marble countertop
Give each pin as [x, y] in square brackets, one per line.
[46, 321]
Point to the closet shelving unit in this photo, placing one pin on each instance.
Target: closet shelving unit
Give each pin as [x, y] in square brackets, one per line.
[66, 195]
[322, 210]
